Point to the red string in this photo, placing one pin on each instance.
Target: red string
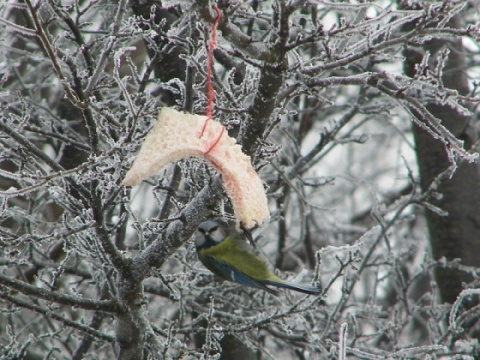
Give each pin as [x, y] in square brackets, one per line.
[210, 91]
[216, 141]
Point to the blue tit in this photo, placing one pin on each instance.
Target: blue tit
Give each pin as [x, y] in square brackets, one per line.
[233, 259]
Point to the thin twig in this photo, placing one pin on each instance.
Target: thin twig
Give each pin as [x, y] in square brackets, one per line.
[53, 58]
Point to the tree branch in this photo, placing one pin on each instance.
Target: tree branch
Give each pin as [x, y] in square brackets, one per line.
[53, 58]
[87, 304]
[51, 314]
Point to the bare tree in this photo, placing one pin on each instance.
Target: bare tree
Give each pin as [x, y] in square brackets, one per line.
[456, 235]
[315, 94]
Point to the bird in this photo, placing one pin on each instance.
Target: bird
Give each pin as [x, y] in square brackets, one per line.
[231, 258]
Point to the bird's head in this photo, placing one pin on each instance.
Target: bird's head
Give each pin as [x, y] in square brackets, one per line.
[209, 233]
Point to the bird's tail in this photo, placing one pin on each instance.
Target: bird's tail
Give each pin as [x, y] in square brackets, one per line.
[306, 289]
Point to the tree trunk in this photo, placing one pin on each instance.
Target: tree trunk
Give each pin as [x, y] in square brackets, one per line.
[456, 236]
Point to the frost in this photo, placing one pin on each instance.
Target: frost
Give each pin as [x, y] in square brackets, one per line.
[11, 189]
[77, 102]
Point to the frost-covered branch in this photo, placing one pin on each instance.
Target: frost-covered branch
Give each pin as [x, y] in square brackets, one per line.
[50, 313]
[53, 57]
[88, 304]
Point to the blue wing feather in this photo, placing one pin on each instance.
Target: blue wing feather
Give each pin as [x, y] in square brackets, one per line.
[306, 289]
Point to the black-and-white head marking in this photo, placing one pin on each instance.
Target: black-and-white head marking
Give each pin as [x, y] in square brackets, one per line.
[209, 233]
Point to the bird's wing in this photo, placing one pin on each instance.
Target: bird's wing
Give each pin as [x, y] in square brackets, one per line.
[228, 272]
[236, 254]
